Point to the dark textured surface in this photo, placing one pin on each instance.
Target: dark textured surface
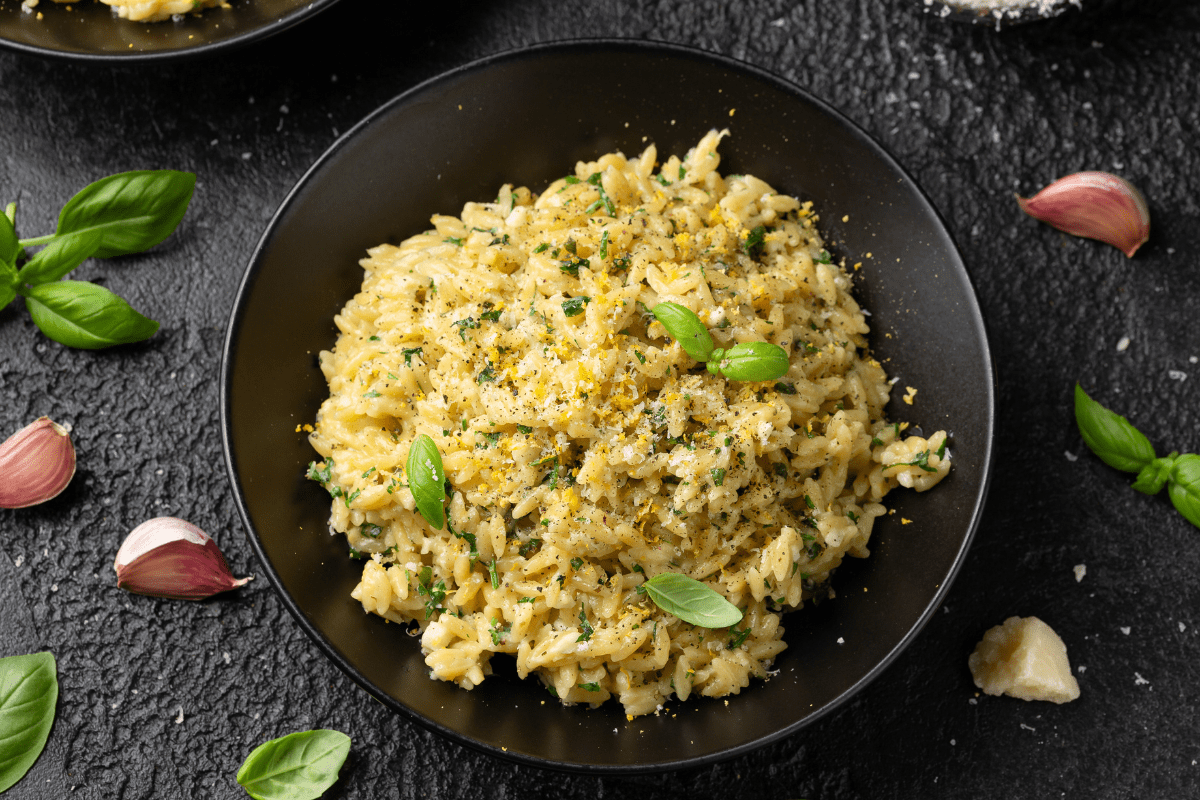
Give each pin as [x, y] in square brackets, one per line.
[973, 114]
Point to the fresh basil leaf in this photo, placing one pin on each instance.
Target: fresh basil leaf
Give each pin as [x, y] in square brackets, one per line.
[28, 696]
[686, 328]
[427, 480]
[60, 255]
[299, 766]
[1110, 436]
[132, 211]
[10, 245]
[7, 291]
[84, 315]
[691, 600]
[1185, 487]
[1155, 475]
[751, 361]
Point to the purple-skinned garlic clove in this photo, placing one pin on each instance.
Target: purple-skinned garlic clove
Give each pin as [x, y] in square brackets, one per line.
[1097, 205]
[172, 558]
[36, 464]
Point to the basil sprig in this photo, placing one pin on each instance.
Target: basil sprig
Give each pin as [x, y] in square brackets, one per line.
[118, 215]
[748, 361]
[427, 480]
[1118, 444]
[691, 600]
[299, 766]
[28, 695]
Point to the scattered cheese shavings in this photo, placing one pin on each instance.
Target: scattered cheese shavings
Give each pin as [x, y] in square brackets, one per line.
[1080, 571]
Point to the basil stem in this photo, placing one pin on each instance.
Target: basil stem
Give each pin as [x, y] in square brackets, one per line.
[61, 255]
[686, 328]
[131, 211]
[28, 696]
[1185, 487]
[1110, 436]
[691, 600]
[427, 480]
[1155, 475]
[84, 315]
[750, 361]
[299, 766]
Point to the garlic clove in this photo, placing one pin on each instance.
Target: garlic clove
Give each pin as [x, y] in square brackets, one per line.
[1097, 205]
[168, 557]
[36, 464]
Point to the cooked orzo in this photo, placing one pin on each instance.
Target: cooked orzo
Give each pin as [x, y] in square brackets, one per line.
[585, 452]
[144, 10]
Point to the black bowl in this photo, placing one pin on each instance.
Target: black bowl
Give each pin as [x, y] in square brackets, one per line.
[527, 117]
[88, 31]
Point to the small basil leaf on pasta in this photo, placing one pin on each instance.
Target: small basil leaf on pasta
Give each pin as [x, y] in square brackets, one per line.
[752, 361]
[691, 600]
[1185, 487]
[28, 695]
[1110, 436]
[686, 328]
[299, 766]
[427, 480]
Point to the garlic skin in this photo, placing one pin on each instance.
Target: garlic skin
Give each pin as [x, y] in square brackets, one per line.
[1097, 205]
[172, 558]
[36, 464]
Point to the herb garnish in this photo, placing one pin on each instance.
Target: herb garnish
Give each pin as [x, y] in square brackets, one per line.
[691, 600]
[748, 361]
[1122, 446]
[573, 307]
[300, 765]
[408, 353]
[427, 480]
[118, 215]
[584, 625]
[30, 693]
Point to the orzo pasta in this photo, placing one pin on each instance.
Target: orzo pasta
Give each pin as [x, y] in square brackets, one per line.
[585, 451]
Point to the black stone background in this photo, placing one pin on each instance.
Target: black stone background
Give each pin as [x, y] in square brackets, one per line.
[974, 114]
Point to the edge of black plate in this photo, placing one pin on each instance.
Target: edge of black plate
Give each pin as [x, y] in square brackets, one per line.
[234, 41]
[453, 735]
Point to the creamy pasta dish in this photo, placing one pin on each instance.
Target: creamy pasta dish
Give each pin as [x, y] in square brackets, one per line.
[585, 453]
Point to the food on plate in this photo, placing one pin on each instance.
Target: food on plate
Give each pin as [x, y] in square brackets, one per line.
[1024, 658]
[145, 10]
[518, 355]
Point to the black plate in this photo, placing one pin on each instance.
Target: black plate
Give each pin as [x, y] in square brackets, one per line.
[526, 117]
[88, 31]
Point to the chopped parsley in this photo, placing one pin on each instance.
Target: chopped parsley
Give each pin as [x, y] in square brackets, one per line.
[922, 461]
[492, 573]
[752, 246]
[639, 355]
[718, 476]
[408, 353]
[738, 637]
[590, 687]
[464, 325]
[452, 240]
[574, 306]
[524, 429]
[584, 625]
[541, 248]
[370, 529]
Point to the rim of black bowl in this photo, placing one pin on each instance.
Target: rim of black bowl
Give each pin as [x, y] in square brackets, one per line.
[975, 318]
[221, 43]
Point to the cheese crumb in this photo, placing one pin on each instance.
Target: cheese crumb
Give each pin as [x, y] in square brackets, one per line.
[910, 395]
[1026, 659]
[1080, 571]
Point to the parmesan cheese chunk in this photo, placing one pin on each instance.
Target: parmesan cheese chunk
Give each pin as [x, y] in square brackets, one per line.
[1024, 658]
